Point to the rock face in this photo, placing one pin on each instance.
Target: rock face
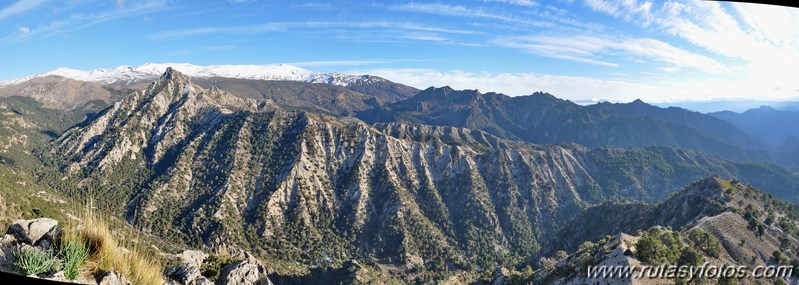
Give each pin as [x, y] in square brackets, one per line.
[246, 272]
[188, 272]
[114, 278]
[37, 232]
[6, 248]
[221, 167]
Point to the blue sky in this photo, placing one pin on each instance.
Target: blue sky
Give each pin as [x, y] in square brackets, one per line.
[617, 50]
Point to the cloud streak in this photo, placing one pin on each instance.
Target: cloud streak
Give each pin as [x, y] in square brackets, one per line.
[78, 21]
[580, 88]
[524, 3]
[593, 49]
[287, 26]
[463, 11]
[20, 7]
[326, 63]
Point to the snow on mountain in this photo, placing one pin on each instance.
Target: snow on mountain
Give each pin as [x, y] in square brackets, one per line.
[154, 70]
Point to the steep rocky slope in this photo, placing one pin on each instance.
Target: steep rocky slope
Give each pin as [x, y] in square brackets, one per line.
[209, 168]
[725, 222]
[25, 125]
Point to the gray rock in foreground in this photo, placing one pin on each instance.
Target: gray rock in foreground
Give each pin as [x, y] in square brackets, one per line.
[247, 271]
[114, 278]
[41, 231]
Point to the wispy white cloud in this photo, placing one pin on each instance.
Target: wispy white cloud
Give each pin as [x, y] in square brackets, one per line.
[516, 84]
[20, 7]
[424, 36]
[313, 5]
[286, 26]
[464, 11]
[761, 40]
[525, 3]
[199, 49]
[79, 21]
[579, 88]
[24, 30]
[325, 63]
[600, 49]
[628, 10]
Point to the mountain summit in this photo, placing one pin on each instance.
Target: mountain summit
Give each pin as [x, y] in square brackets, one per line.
[149, 71]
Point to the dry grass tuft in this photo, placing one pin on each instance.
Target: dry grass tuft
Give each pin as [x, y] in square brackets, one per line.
[108, 255]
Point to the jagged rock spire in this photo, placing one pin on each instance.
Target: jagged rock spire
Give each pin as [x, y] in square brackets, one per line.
[172, 74]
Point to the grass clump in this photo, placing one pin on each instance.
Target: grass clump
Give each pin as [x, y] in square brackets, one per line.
[36, 261]
[108, 255]
[74, 253]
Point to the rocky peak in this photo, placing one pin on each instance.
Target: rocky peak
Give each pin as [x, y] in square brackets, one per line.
[155, 119]
[446, 96]
[171, 74]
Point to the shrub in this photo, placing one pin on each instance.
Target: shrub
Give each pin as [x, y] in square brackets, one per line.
[703, 241]
[690, 256]
[728, 281]
[74, 253]
[213, 265]
[35, 261]
[650, 249]
[658, 247]
[777, 254]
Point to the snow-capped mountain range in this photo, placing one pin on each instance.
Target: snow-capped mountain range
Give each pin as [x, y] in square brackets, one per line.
[154, 70]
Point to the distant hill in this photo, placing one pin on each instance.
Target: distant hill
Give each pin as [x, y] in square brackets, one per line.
[55, 92]
[329, 98]
[777, 129]
[766, 123]
[543, 118]
[712, 106]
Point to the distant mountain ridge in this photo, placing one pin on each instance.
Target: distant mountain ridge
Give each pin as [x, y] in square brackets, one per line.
[148, 71]
[543, 119]
[771, 125]
[778, 129]
[290, 86]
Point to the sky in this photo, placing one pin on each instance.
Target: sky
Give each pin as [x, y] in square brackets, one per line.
[581, 50]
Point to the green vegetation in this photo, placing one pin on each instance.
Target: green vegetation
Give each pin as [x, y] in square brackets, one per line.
[74, 253]
[30, 125]
[658, 246]
[36, 261]
[704, 242]
[213, 265]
